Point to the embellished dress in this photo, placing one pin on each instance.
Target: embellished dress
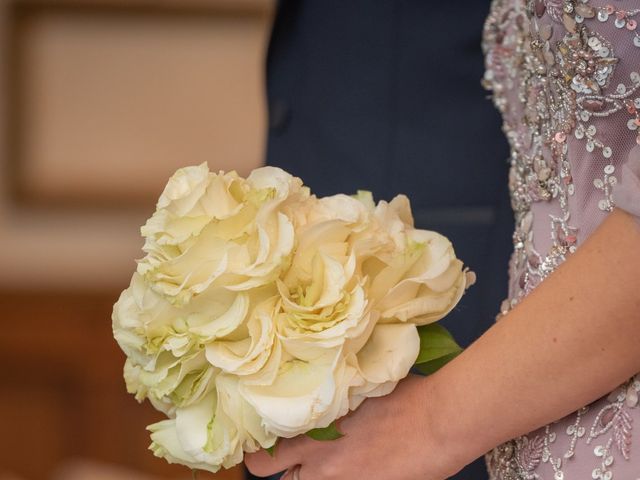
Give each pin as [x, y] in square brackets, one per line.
[565, 74]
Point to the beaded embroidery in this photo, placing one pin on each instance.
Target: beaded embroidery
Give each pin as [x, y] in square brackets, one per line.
[550, 73]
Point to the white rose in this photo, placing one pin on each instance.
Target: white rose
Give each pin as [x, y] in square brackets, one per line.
[247, 350]
[243, 414]
[201, 436]
[423, 283]
[304, 395]
[420, 280]
[324, 301]
[387, 358]
[212, 432]
[151, 333]
[164, 343]
[219, 229]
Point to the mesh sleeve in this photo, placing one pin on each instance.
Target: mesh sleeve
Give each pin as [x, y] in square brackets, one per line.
[626, 195]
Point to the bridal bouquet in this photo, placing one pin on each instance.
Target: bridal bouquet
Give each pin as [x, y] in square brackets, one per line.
[261, 311]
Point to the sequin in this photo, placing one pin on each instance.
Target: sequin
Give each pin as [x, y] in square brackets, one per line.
[551, 73]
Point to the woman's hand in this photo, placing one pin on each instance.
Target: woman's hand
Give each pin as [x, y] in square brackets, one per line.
[387, 438]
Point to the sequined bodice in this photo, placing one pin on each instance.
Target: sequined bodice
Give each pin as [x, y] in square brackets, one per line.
[570, 108]
[564, 75]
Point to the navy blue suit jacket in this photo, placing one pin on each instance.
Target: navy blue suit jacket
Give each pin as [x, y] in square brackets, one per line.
[385, 95]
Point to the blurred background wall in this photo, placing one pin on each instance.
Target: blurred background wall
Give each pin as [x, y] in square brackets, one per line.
[100, 102]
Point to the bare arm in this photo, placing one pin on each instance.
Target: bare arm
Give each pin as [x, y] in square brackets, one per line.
[571, 341]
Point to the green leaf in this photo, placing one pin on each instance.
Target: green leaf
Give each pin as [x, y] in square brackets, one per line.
[325, 434]
[436, 343]
[272, 449]
[433, 366]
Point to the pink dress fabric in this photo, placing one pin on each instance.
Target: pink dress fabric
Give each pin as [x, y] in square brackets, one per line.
[565, 74]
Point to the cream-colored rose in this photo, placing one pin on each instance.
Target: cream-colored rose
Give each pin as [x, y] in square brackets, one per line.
[387, 358]
[219, 230]
[201, 436]
[247, 350]
[421, 280]
[324, 298]
[304, 395]
[414, 279]
[167, 363]
[151, 333]
[423, 283]
[213, 432]
[165, 344]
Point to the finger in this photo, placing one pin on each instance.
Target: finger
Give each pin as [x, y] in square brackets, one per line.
[288, 475]
[292, 474]
[288, 453]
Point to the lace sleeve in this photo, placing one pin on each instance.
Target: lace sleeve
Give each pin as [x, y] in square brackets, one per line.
[626, 195]
[603, 61]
